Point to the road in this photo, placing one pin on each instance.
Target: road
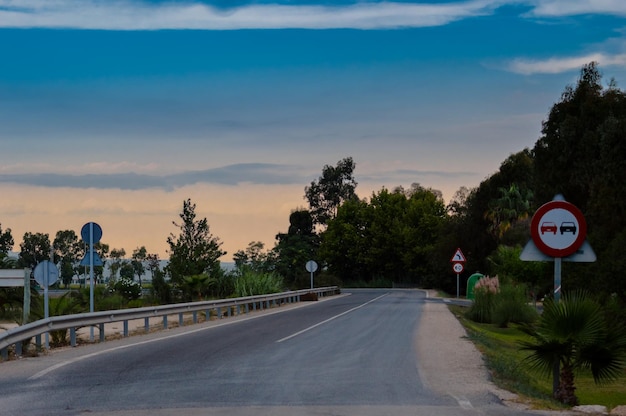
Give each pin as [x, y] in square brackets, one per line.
[350, 355]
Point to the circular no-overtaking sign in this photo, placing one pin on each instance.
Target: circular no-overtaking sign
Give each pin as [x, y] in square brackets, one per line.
[558, 228]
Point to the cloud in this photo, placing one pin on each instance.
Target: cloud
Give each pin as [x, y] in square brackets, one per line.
[142, 15]
[558, 8]
[565, 64]
[254, 173]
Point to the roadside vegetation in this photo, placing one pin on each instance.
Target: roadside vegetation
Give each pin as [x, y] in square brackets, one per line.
[578, 333]
[405, 237]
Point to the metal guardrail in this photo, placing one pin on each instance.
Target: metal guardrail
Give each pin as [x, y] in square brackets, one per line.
[16, 336]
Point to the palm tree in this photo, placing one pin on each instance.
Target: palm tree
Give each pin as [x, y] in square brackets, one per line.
[512, 206]
[574, 334]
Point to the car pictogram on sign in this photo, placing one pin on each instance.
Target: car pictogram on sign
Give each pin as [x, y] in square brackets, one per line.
[568, 227]
[558, 229]
[548, 227]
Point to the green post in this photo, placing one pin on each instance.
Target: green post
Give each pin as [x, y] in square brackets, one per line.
[471, 282]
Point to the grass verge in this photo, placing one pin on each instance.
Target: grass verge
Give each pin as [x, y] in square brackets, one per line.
[505, 362]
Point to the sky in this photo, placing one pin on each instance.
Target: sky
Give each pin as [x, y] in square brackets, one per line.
[117, 111]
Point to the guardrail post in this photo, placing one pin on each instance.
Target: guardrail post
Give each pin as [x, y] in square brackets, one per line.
[38, 342]
[18, 348]
[238, 310]
[164, 321]
[247, 307]
[181, 321]
[195, 317]
[146, 324]
[102, 333]
[125, 329]
[219, 312]
[4, 353]
[207, 315]
[73, 336]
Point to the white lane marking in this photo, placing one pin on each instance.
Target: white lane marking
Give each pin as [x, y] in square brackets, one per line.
[463, 402]
[330, 319]
[121, 347]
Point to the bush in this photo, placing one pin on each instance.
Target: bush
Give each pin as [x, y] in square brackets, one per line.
[485, 293]
[251, 283]
[500, 304]
[510, 305]
[127, 288]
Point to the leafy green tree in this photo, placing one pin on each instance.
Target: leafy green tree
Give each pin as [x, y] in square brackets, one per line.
[140, 255]
[424, 218]
[195, 250]
[116, 262]
[161, 289]
[391, 238]
[6, 240]
[154, 262]
[255, 258]
[345, 247]
[580, 155]
[575, 334]
[34, 248]
[336, 185]
[66, 252]
[294, 248]
[513, 205]
[127, 271]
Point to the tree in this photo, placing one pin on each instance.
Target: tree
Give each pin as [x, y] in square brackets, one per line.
[294, 248]
[580, 155]
[512, 206]
[66, 253]
[34, 248]
[117, 261]
[6, 240]
[255, 259]
[575, 334]
[389, 239]
[195, 250]
[140, 254]
[335, 186]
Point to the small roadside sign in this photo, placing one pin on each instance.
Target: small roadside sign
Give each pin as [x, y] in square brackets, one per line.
[458, 257]
[457, 268]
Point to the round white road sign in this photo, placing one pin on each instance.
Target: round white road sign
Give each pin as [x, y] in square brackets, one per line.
[558, 228]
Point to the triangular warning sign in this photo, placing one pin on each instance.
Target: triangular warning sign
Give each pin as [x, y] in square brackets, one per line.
[458, 257]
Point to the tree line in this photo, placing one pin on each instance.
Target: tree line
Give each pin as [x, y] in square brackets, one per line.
[406, 236]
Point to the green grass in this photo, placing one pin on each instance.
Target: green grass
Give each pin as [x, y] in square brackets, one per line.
[505, 362]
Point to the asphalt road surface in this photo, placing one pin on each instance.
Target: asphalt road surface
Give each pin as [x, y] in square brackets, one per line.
[357, 354]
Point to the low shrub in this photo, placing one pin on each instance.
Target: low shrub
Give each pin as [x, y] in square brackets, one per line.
[250, 283]
[511, 306]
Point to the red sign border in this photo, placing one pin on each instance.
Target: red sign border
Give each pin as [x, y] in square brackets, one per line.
[458, 250]
[556, 252]
[460, 264]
